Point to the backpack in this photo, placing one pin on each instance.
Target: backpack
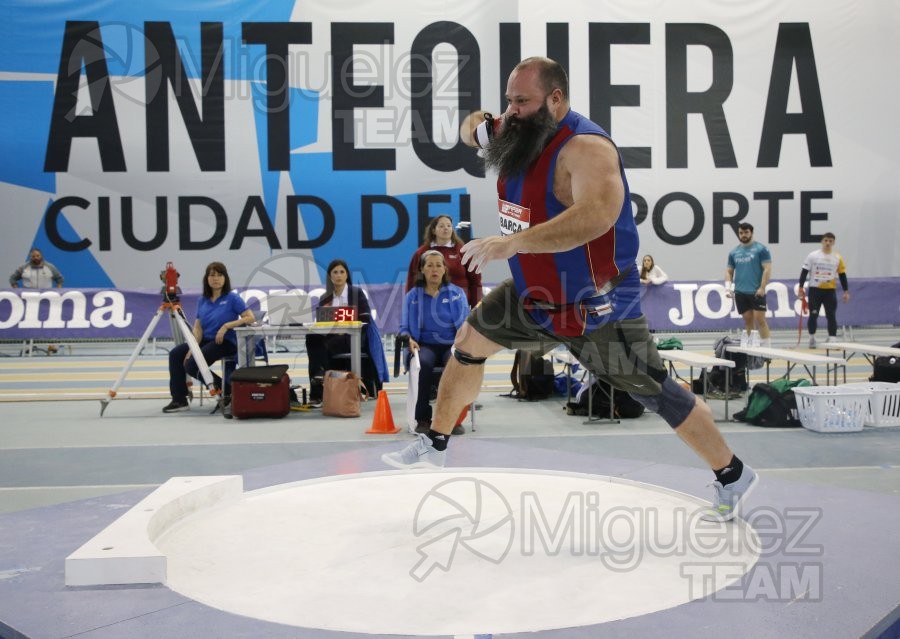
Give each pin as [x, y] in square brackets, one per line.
[625, 406]
[531, 376]
[773, 404]
[741, 361]
[716, 377]
[886, 368]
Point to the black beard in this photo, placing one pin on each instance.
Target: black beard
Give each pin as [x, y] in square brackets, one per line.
[520, 142]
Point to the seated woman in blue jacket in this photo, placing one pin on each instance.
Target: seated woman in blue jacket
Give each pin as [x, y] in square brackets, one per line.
[219, 311]
[434, 310]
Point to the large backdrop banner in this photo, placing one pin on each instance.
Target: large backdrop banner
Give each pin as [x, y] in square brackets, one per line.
[136, 133]
[672, 307]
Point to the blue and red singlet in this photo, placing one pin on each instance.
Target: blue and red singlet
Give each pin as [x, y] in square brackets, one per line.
[567, 292]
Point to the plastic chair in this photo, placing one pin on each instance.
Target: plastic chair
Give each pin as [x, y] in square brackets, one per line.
[371, 356]
[400, 343]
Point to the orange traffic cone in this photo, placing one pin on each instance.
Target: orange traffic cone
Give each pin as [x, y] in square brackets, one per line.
[383, 421]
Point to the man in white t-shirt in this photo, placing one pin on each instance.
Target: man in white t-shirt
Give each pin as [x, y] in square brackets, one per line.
[824, 267]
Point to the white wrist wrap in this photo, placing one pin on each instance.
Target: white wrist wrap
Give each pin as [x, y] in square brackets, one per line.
[483, 134]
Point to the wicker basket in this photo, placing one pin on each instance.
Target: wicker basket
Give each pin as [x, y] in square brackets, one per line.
[832, 409]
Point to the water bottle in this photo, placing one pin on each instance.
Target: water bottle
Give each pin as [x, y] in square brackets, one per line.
[754, 339]
[832, 420]
[745, 340]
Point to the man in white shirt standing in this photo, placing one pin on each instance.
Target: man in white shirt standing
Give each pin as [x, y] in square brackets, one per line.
[824, 266]
[36, 273]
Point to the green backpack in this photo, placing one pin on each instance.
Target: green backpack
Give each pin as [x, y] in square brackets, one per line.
[773, 404]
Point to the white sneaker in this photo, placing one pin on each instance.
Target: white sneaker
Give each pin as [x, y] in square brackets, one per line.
[831, 339]
[812, 341]
[419, 454]
[728, 499]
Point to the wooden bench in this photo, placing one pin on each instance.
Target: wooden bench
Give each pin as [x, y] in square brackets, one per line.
[699, 360]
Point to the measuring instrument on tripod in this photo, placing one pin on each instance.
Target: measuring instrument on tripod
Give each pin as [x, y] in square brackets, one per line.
[181, 333]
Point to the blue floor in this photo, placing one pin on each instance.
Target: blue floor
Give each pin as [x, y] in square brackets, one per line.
[829, 572]
[832, 502]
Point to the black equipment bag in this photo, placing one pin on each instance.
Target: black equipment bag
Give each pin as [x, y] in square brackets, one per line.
[531, 376]
[624, 405]
[886, 368]
[716, 378]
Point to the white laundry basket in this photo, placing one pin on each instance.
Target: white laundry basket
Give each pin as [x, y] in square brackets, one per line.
[884, 403]
[832, 409]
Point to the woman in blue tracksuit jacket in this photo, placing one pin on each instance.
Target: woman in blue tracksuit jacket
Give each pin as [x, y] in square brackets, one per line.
[434, 310]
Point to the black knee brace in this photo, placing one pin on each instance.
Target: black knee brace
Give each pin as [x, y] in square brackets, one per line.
[467, 360]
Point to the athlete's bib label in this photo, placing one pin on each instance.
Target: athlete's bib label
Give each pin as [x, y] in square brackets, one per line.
[823, 273]
[513, 218]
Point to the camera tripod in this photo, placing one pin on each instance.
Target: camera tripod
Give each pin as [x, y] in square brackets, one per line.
[181, 332]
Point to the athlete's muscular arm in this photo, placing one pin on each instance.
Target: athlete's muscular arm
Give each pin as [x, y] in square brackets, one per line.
[588, 180]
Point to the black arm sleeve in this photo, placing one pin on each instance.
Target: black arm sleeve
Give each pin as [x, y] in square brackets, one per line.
[803, 273]
[843, 278]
